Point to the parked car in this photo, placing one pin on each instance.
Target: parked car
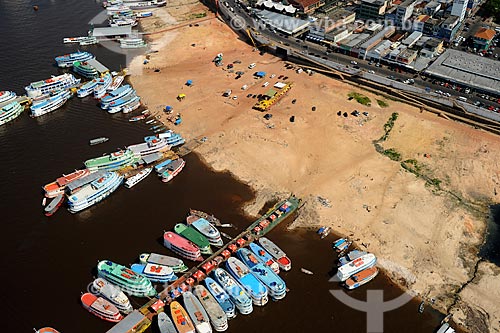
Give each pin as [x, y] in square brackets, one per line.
[353, 62]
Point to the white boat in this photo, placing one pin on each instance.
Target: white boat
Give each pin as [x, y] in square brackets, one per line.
[67, 60]
[127, 104]
[132, 43]
[132, 105]
[150, 147]
[217, 316]
[355, 266]
[87, 88]
[130, 182]
[445, 328]
[120, 22]
[88, 41]
[54, 84]
[155, 272]
[50, 104]
[69, 40]
[117, 81]
[197, 313]
[278, 254]
[134, 4]
[6, 96]
[112, 293]
[10, 112]
[176, 264]
[97, 141]
[103, 85]
[206, 229]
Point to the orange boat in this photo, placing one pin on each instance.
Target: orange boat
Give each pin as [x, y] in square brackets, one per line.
[181, 319]
[361, 278]
[101, 308]
[53, 189]
[47, 330]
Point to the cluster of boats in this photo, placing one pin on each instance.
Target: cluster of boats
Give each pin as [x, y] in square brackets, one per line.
[123, 99]
[10, 109]
[356, 268]
[244, 275]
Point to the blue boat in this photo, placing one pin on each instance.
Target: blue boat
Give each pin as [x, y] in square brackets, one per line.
[173, 139]
[237, 293]
[160, 166]
[341, 245]
[67, 60]
[265, 257]
[155, 272]
[354, 254]
[221, 297]
[115, 94]
[274, 284]
[103, 84]
[119, 101]
[87, 88]
[252, 285]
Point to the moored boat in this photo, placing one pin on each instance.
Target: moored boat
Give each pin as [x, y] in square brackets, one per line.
[281, 258]
[55, 188]
[265, 257]
[55, 83]
[85, 69]
[144, 14]
[354, 254]
[217, 316]
[445, 328]
[194, 236]
[252, 285]
[155, 272]
[103, 85]
[87, 88]
[197, 313]
[127, 280]
[173, 139]
[132, 105]
[6, 96]
[275, 285]
[112, 293]
[209, 217]
[54, 205]
[115, 95]
[113, 161]
[238, 294]
[137, 118]
[149, 147]
[165, 324]
[275, 215]
[94, 192]
[181, 319]
[341, 245]
[10, 112]
[117, 105]
[132, 43]
[131, 181]
[88, 41]
[67, 60]
[181, 246]
[97, 141]
[361, 278]
[206, 229]
[101, 308]
[176, 264]
[47, 330]
[50, 104]
[116, 82]
[355, 266]
[221, 297]
[172, 170]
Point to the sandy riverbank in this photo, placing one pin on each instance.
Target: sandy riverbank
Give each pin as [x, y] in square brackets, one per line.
[425, 237]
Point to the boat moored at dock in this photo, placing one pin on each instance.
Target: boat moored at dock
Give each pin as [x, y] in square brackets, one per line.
[238, 294]
[112, 293]
[101, 308]
[127, 280]
[10, 112]
[221, 297]
[181, 319]
[85, 69]
[149, 147]
[172, 170]
[55, 188]
[281, 258]
[67, 60]
[181, 246]
[118, 104]
[217, 316]
[131, 181]
[112, 162]
[47, 330]
[115, 84]
[252, 285]
[54, 205]
[355, 266]
[115, 95]
[132, 43]
[50, 104]
[265, 257]
[196, 312]
[194, 236]
[176, 264]
[206, 229]
[55, 83]
[165, 324]
[94, 192]
[103, 85]
[155, 272]
[361, 278]
[87, 88]
[6, 96]
[275, 216]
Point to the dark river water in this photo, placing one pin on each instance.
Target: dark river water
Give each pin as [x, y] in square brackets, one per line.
[48, 262]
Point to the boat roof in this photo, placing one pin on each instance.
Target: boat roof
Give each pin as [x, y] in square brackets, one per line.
[86, 180]
[97, 65]
[151, 158]
[129, 323]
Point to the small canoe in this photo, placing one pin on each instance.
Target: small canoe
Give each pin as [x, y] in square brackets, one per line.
[97, 141]
[54, 205]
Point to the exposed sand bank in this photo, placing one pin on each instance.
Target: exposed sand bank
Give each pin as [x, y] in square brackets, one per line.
[425, 234]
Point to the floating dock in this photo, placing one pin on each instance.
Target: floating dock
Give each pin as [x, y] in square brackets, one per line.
[277, 214]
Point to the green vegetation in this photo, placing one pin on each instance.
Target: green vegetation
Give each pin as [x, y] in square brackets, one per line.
[492, 8]
[362, 99]
[382, 104]
[393, 154]
[198, 15]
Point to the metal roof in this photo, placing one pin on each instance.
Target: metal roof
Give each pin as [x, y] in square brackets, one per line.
[85, 180]
[112, 31]
[97, 65]
[129, 323]
[151, 158]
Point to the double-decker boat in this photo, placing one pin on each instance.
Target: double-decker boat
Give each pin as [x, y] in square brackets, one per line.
[126, 279]
[132, 105]
[265, 257]
[181, 246]
[6, 96]
[355, 266]
[206, 229]
[221, 297]
[172, 169]
[85, 69]
[118, 104]
[101, 308]
[94, 192]
[115, 95]
[55, 188]
[67, 60]
[50, 104]
[197, 312]
[132, 43]
[103, 85]
[55, 83]
[176, 264]
[252, 285]
[155, 272]
[113, 161]
[283, 261]
[10, 112]
[194, 236]
[87, 88]
[217, 316]
[236, 292]
[112, 293]
[149, 147]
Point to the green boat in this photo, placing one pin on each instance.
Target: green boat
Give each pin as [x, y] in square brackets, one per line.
[274, 216]
[113, 161]
[127, 280]
[85, 69]
[194, 236]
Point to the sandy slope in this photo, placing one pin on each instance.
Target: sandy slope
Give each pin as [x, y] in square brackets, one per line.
[425, 238]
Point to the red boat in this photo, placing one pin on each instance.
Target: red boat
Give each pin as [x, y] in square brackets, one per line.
[47, 330]
[54, 205]
[182, 246]
[101, 308]
[55, 188]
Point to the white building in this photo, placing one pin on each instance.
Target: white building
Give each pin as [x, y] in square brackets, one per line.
[459, 8]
